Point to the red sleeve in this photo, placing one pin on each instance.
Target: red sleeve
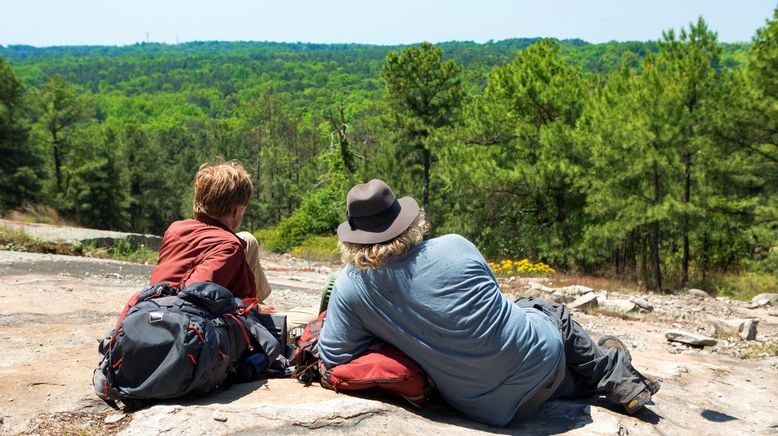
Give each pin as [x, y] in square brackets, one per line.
[220, 267]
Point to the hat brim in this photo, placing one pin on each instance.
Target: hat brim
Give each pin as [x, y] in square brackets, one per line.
[409, 210]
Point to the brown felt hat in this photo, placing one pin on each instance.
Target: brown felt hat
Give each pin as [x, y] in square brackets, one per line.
[375, 215]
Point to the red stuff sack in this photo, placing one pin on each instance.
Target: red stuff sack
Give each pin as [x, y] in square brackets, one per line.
[381, 366]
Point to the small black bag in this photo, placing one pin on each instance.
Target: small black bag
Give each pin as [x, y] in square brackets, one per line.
[175, 343]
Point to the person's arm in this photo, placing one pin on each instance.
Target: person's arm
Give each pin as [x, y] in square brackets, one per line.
[343, 337]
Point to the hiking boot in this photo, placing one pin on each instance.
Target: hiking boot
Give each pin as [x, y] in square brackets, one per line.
[608, 341]
[652, 384]
[637, 403]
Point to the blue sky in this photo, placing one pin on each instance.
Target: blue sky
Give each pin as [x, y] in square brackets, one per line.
[115, 22]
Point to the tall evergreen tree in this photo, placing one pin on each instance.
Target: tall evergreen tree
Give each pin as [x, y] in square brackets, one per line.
[693, 61]
[20, 165]
[529, 199]
[632, 128]
[426, 94]
[60, 109]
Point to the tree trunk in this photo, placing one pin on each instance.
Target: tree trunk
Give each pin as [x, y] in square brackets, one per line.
[57, 160]
[687, 158]
[705, 256]
[643, 274]
[427, 162]
[655, 236]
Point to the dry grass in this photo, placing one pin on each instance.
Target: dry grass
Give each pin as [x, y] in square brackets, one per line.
[77, 423]
[596, 283]
[36, 213]
[18, 240]
[761, 350]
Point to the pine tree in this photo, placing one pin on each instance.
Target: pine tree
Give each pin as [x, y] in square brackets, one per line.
[692, 60]
[632, 128]
[20, 165]
[425, 93]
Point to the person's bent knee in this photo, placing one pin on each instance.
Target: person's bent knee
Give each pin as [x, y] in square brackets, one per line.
[249, 238]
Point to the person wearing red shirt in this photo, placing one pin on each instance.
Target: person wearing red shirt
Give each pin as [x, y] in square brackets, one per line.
[206, 248]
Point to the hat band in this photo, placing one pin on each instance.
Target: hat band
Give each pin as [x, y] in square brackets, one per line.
[366, 223]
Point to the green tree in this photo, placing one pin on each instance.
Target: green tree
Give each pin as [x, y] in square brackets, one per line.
[516, 174]
[693, 60]
[61, 109]
[20, 166]
[97, 188]
[742, 179]
[426, 94]
[632, 129]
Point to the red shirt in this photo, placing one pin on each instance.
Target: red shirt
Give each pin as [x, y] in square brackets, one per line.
[202, 250]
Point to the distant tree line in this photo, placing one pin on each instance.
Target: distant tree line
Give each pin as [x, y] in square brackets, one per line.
[656, 162]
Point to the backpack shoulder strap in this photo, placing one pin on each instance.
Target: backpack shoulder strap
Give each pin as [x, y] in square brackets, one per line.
[156, 291]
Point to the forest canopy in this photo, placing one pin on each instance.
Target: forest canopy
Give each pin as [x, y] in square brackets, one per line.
[656, 162]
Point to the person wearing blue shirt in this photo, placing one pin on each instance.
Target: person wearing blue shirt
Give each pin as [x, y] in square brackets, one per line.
[439, 302]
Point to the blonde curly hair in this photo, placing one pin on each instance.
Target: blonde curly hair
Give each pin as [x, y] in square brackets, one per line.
[365, 256]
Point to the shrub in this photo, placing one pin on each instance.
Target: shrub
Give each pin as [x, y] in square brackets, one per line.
[318, 248]
[319, 214]
[746, 285]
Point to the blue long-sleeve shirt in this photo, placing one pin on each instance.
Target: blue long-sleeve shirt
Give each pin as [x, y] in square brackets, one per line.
[441, 305]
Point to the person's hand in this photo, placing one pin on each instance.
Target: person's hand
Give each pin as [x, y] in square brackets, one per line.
[267, 308]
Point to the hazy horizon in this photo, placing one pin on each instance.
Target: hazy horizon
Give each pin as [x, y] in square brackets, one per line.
[46, 23]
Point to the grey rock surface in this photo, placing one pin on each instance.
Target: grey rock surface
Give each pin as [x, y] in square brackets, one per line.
[764, 300]
[78, 235]
[698, 293]
[617, 304]
[585, 301]
[743, 328]
[53, 308]
[641, 303]
[689, 338]
[748, 332]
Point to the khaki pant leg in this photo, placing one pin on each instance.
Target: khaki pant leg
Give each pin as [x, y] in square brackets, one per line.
[252, 258]
[298, 317]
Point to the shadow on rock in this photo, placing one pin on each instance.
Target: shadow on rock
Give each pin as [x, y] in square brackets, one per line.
[229, 395]
[553, 417]
[714, 416]
[645, 414]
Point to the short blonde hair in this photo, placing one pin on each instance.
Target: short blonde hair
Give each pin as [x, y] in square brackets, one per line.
[375, 256]
[220, 187]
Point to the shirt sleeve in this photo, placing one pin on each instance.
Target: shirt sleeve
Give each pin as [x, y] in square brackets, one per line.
[220, 267]
[343, 337]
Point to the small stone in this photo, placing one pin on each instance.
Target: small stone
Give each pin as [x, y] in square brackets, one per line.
[618, 305]
[584, 301]
[689, 338]
[559, 296]
[541, 287]
[764, 300]
[642, 304]
[113, 419]
[726, 327]
[698, 293]
[577, 289]
[218, 416]
[744, 328]
[773, 311]
[748, 331]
